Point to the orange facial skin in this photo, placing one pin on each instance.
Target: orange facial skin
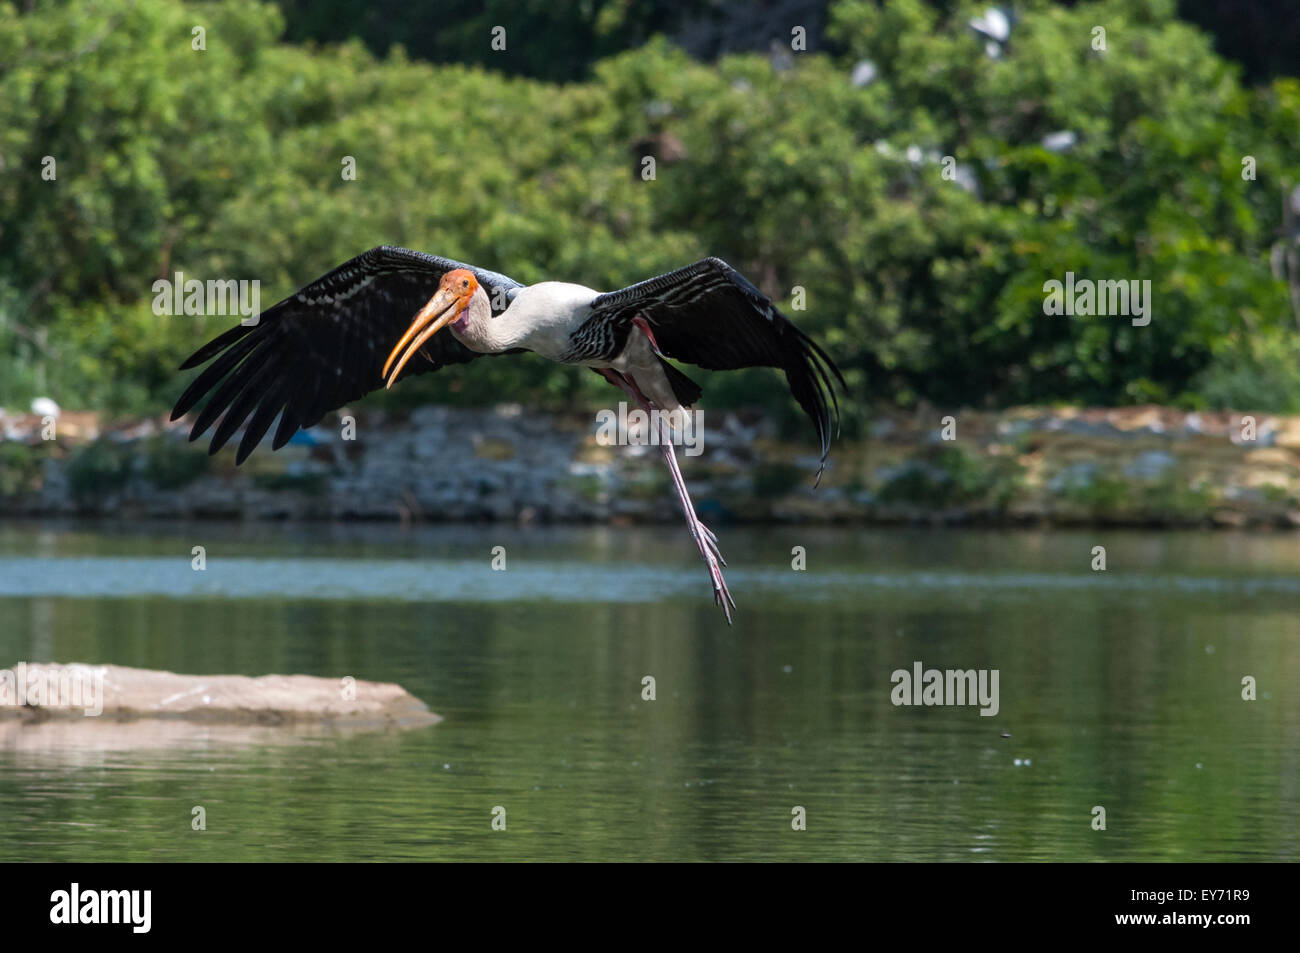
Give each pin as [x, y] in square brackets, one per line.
[444, 308]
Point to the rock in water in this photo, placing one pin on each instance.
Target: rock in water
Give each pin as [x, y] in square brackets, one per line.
[108, 706]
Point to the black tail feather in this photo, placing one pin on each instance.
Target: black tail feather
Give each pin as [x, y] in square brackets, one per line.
[685, 390]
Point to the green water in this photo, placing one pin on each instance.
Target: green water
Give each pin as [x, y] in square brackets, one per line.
[1120, 689]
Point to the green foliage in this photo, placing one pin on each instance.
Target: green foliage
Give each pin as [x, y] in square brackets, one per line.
[170, 463]
[1100, 496]
[646, 483]
[589, 488]
[773, 479]
[952, 476]
[1152, 189]
[1254, 370]
[1175, 498]
[226, 163]
[20, 467]
[100, 468]
[1170, 498]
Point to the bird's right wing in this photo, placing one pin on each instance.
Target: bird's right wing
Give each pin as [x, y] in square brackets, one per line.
[323, 346]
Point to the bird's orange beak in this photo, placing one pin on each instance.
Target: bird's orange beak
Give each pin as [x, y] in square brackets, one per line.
[442, 309]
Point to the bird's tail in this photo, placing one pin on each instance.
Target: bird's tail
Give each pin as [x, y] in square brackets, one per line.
[685, 390]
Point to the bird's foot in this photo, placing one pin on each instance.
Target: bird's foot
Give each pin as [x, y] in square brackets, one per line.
[708, 545]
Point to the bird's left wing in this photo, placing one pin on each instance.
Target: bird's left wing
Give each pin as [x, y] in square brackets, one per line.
[709, 315]
[323, 346]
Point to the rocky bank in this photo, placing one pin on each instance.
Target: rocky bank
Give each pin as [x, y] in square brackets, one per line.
[1136, 465]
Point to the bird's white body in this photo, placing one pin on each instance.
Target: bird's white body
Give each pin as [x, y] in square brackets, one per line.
[546, 315]
[543, 318]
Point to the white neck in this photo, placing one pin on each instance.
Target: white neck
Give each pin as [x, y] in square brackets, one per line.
[541, 318]
[479, 332]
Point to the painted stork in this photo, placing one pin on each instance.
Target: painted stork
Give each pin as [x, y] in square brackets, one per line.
[359, 327]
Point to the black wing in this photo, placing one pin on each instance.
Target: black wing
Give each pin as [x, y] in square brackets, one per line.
[708, 314]
[323, 346]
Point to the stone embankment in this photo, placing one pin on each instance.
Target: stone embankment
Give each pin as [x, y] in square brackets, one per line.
[1135, 465]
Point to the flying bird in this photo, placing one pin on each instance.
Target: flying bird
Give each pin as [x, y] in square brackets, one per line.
[374, 320]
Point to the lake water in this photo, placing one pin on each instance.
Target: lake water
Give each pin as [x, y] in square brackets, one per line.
[1120, 689]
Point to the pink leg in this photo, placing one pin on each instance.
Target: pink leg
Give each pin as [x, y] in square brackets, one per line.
[703, 536]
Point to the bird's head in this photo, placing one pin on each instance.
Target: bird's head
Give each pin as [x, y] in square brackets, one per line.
[449, 305]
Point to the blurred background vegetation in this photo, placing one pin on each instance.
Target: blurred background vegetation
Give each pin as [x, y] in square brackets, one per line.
[820, 168]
